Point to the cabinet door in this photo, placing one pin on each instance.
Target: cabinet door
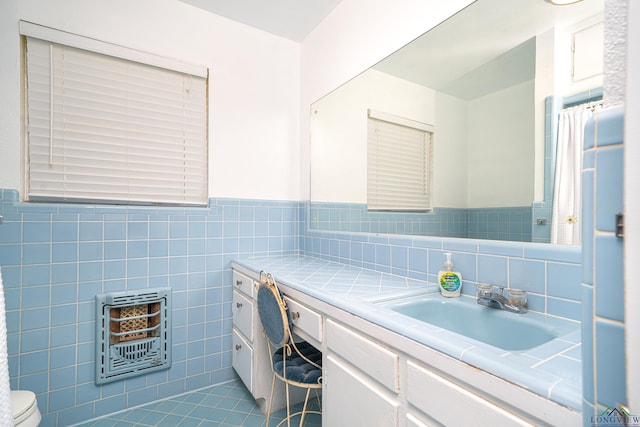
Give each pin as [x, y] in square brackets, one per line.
[587, 52]
[413, 421]
[371, 358]
[242, 359]
[351, 399]
[451, 404]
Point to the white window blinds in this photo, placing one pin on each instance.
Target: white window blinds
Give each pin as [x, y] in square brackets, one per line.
[106, 129]
[399, 164]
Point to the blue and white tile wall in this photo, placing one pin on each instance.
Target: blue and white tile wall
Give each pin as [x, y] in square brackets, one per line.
[507, 223]
[355, 217]
[56, 257]
[551, 274]
[603, 324]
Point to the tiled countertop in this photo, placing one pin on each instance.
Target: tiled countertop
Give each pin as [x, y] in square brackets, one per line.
[552, 370]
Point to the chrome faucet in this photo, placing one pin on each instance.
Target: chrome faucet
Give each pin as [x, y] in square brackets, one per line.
[493, 296]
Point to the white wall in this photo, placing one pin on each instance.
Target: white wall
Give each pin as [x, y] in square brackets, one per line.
[501, 163]
[483, 149]
[548, 70]
[254, 86]
[632, 207]
[450, 148]
[339, 137]
[339, 122]
[353, 37]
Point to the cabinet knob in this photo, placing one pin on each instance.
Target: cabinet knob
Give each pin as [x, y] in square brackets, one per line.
[239, 305]
[238, 346]
[295, 315]
[238, 282]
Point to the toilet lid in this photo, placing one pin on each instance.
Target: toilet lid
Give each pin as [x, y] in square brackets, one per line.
[22, 401]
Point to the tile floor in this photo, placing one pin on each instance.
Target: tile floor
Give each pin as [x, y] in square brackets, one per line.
[225, 405]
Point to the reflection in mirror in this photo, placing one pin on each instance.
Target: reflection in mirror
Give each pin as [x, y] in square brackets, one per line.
[489, 84]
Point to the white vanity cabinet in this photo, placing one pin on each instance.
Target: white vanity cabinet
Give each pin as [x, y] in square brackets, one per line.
[427, 389]
[369, 383]
[245, 319]
[353, 399]
[250, 352]
[375, 377]
[359, 374]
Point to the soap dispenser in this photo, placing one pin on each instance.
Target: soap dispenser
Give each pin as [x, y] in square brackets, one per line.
[450, 281]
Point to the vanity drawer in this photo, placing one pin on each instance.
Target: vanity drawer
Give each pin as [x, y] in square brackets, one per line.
[426, 389]
[242, 358]
[376, 361]
[305, 319]
[242, 310]
[243, 283]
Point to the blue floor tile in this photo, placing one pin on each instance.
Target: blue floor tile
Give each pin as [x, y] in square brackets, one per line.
[225, 405]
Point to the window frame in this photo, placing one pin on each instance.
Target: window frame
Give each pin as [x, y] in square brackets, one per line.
[194, 193]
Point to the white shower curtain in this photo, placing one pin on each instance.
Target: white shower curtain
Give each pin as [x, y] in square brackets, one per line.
[6, 413]
[567, 191]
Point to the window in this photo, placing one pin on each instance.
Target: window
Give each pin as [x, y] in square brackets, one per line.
[108, 124]
[399, 168]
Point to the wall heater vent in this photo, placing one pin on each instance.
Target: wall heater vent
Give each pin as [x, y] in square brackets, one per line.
[133, 333]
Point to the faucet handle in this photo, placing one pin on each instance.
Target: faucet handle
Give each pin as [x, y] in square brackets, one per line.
[517, 297]
[483, 290]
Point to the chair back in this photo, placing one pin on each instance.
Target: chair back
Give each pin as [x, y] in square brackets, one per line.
[273, 311]
[291, 362]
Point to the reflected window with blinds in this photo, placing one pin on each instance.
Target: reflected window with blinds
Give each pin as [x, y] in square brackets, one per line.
[108, 124]
[399, 164]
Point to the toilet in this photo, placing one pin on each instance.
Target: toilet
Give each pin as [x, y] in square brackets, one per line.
[25, 408]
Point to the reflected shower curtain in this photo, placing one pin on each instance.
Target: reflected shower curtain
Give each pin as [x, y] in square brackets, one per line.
[567, 190]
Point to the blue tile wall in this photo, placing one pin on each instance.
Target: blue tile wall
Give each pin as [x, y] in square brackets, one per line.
[56, 257]
[604, 378]
[507, 223]
[355, 217]
[521, 265]
[594, 94]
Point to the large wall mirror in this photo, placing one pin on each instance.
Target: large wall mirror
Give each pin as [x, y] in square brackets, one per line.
[488, 88]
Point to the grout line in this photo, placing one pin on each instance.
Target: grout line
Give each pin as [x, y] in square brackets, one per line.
[535, 365]
[552, 387]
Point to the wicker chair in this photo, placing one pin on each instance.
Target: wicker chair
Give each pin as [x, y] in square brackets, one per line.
[295, 363]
